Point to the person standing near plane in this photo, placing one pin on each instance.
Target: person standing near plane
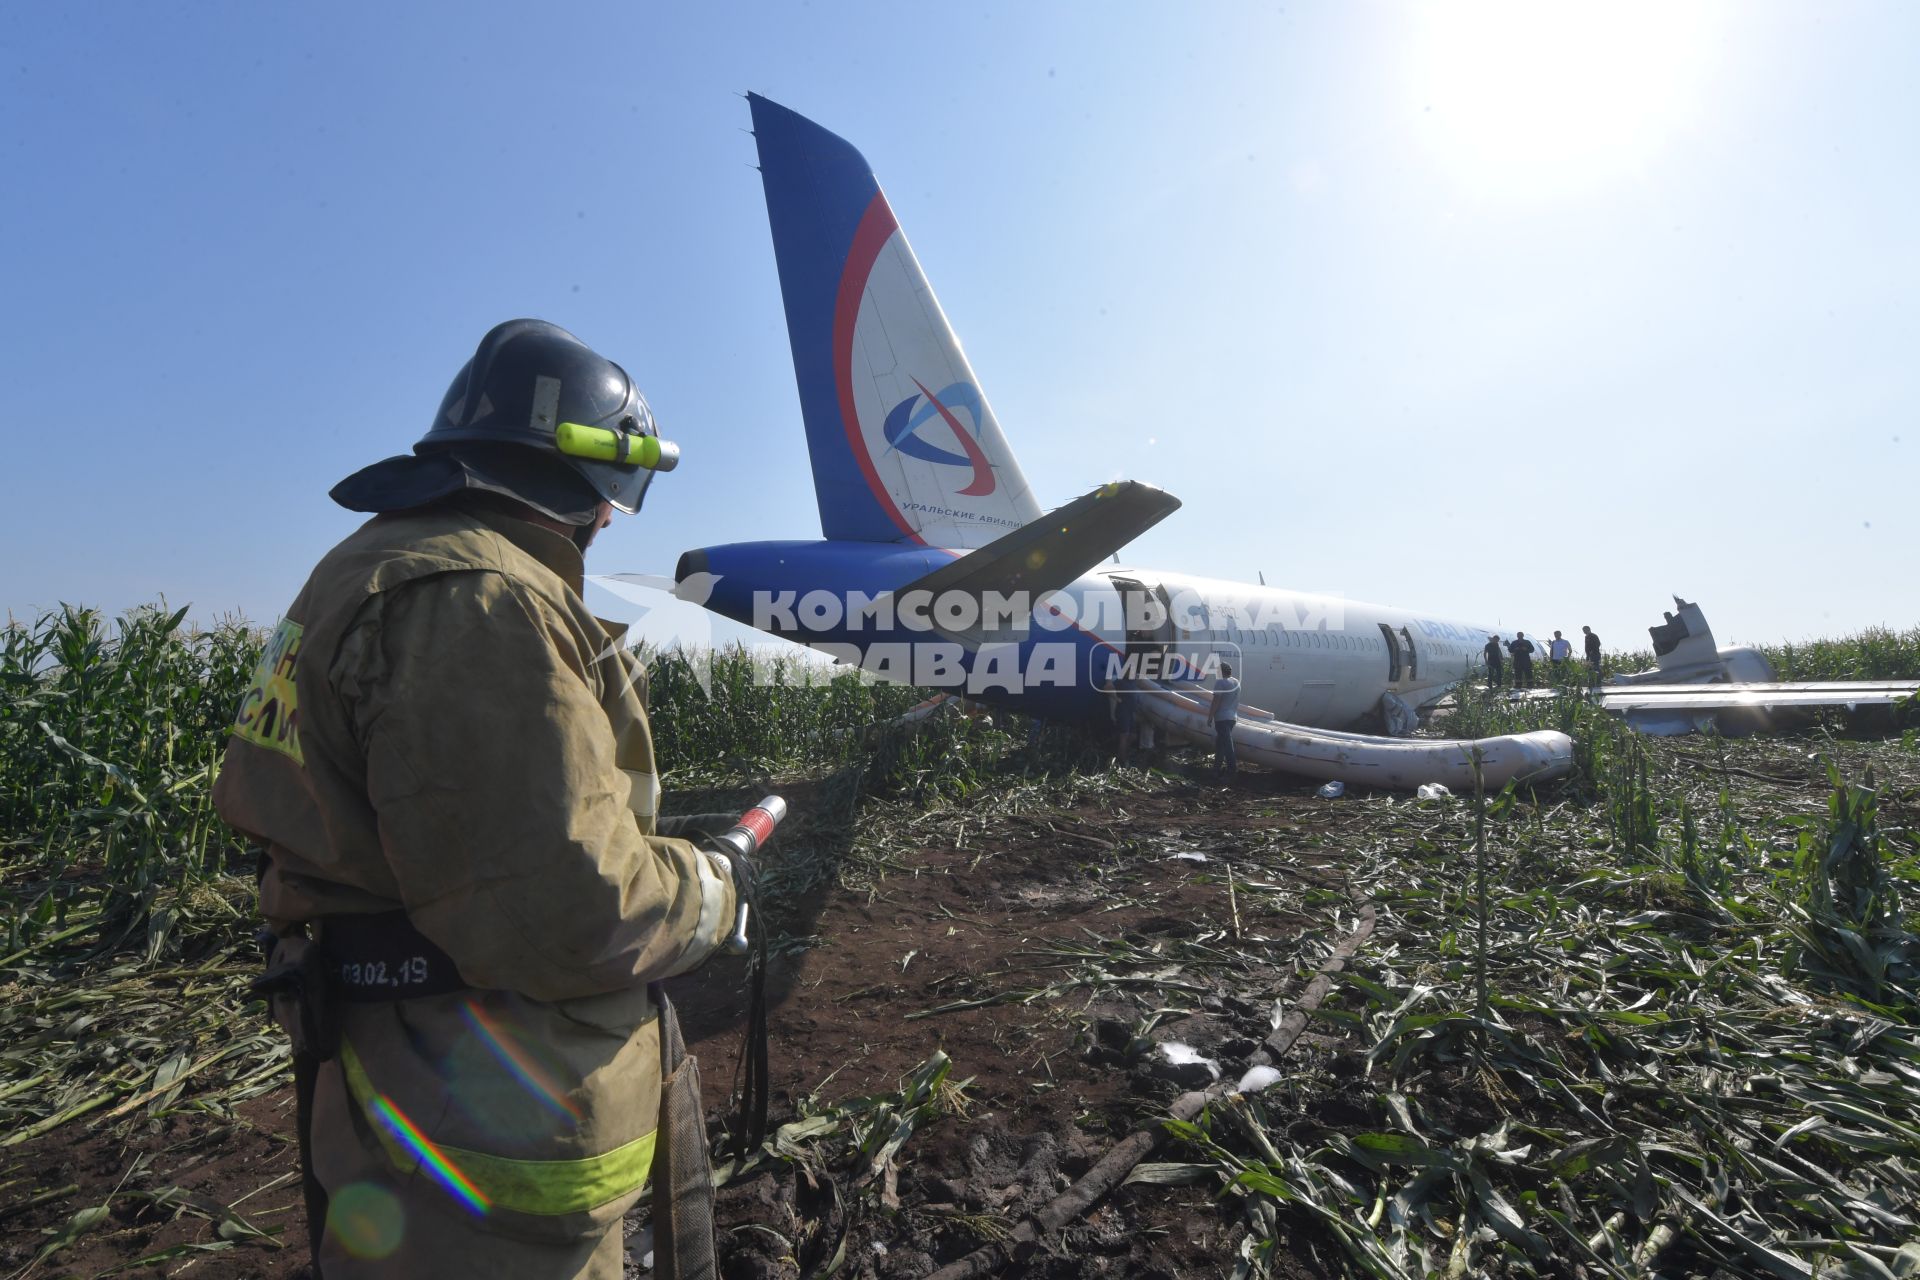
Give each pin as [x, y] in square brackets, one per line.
[1522, 650]
[445, 764]
[1224, 709]
[1494, 659]
[1559, 653]
[1124, 713]
[1593, 655]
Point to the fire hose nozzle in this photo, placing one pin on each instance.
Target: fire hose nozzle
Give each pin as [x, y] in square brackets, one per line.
[745, 838]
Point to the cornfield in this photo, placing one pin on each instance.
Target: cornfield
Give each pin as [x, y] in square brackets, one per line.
[109, 739]
[1661, 1017]
[1878, 653]
[111, 734]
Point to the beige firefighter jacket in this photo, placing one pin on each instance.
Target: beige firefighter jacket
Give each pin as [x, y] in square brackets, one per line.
[439, 724]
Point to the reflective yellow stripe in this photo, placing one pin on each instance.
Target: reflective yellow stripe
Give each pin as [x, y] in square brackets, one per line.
[543, 1187]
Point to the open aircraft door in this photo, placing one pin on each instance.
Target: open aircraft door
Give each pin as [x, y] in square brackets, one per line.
[1149, 618]
[1403, 656]
[1396, 656]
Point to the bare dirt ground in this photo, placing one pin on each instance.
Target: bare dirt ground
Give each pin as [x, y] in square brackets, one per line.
[1050, 939]
[1060, 914]
[1022, 940]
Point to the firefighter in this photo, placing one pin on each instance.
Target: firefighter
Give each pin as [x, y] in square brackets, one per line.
[445, 760]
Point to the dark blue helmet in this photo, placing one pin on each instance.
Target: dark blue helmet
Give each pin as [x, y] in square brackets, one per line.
[496, 431]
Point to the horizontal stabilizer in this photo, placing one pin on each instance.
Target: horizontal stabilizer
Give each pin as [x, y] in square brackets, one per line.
[1046, 555]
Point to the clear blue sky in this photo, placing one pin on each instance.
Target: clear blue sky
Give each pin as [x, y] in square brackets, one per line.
[1529, 314]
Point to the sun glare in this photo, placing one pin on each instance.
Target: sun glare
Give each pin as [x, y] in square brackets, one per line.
[1541, 99]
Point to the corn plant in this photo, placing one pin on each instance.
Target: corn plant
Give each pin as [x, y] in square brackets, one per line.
[109, 738]
[1877, 653]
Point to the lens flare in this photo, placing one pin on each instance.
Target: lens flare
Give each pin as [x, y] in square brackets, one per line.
[402, 1131]
[534, 1077]
[366, 1220]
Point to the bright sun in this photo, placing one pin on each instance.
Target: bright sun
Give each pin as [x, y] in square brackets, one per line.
[1542, 99]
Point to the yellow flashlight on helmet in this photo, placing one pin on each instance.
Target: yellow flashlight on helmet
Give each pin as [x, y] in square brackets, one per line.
[627, 448]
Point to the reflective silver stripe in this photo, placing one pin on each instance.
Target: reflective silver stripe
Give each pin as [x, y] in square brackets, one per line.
[643, 793]
[716, 910]
[546, 405]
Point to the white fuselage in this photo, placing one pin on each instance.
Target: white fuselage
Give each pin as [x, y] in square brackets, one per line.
[1309, 659]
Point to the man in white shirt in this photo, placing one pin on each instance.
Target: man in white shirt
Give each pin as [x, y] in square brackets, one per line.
[1559, 651]
[1224, 709]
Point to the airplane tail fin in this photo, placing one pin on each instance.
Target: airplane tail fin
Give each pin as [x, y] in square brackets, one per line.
[904, 447]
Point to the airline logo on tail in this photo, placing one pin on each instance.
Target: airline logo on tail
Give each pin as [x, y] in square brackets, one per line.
[905, 419]
[903, 441]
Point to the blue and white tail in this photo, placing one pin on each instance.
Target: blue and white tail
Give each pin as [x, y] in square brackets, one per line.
[904, 446]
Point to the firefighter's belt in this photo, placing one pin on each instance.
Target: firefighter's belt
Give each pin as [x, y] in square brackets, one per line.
[381, 957]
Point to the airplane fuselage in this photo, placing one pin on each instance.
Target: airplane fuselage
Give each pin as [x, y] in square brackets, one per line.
[1310, 659]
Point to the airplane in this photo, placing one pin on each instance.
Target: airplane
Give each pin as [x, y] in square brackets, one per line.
[939, 567]
[1697, 685]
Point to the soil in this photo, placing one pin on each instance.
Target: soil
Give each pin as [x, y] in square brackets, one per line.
[1052, 1084]
[972, 905]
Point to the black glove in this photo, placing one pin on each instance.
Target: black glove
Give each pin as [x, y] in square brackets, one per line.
[693, 826]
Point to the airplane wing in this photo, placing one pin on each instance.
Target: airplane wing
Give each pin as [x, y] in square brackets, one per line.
[1049, 553]
[1627, 699]
[1737, 708]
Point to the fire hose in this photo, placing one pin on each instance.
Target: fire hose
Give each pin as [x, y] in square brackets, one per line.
[685, 1247]
[743, 840]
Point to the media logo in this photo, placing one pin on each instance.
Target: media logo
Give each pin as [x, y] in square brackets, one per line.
[904, 420]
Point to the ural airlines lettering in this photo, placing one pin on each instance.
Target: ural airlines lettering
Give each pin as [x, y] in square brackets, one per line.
[1449, 631]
